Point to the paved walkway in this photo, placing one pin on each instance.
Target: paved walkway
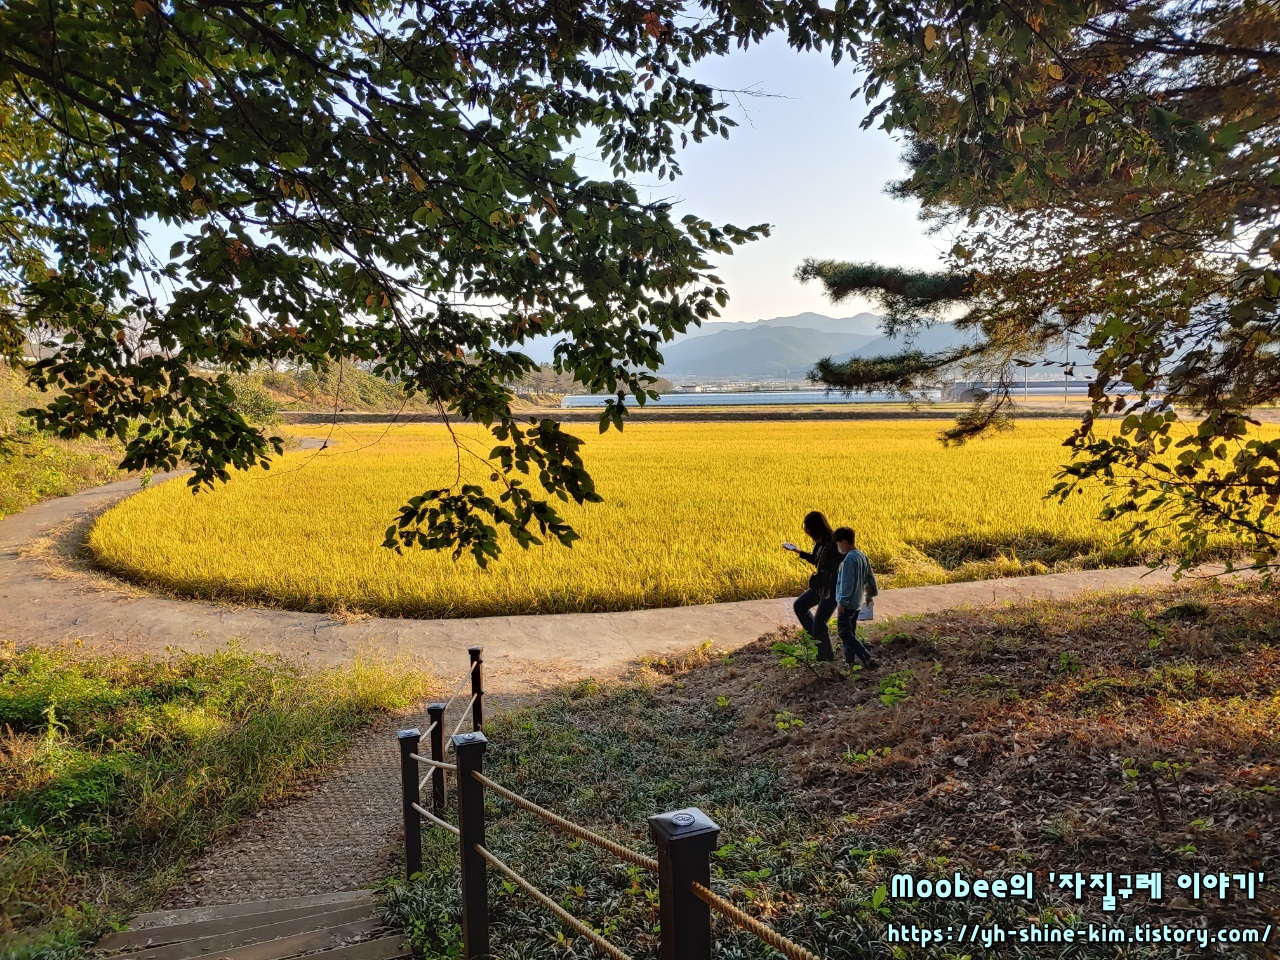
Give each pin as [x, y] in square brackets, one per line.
[522, 653]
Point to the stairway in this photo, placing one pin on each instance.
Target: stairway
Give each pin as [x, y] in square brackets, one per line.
[330, 926]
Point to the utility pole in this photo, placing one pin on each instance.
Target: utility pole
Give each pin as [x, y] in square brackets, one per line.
[1066, 375]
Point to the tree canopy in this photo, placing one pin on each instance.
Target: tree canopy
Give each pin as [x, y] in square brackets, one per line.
[389, 183]
[1110, 174]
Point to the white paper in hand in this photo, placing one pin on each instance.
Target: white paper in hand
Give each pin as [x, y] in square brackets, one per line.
[789, 546]
[868, 612]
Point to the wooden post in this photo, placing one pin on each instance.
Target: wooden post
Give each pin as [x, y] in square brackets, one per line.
[409, 795]
[477, 688]
[436, 712]
[469, 749]
[685, 839]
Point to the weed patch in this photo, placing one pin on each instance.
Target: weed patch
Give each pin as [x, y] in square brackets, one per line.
[114, 770]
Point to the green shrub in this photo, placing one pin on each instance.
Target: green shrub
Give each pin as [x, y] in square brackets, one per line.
[253, 402]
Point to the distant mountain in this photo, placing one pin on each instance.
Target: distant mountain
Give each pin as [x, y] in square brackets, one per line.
[789, 346]
[942, 336]
[864, 325]
[756, 351]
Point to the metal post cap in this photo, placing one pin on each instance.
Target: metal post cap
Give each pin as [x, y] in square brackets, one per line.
[406, 734]
[683, 823]
[469, 739]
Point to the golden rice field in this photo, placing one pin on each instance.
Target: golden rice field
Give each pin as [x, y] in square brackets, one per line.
[693, 513]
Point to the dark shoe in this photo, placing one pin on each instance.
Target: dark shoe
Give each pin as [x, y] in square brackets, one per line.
[871, 664]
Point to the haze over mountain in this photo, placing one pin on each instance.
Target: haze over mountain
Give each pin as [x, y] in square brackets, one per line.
[863, 327]
[757, 351]
[864, 324]
[788, 347]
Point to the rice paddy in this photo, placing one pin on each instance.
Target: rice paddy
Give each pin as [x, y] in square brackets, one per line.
[693, 513]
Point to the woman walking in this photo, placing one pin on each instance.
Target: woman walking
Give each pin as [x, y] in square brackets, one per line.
[821, 594]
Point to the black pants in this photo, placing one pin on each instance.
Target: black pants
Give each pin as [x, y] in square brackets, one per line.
[847, 627]
[816, 622]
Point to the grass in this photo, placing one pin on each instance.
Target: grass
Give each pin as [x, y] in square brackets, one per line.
[693, 513]
[999, 758]
[115, 770]
[35, 467]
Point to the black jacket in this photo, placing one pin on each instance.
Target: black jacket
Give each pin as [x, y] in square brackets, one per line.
[826, 557]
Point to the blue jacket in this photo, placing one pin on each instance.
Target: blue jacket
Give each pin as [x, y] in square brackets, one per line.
[856, 584]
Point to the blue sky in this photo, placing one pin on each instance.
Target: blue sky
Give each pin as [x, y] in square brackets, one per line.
[801, 163]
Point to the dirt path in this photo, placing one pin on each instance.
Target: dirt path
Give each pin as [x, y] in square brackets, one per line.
[342, 834]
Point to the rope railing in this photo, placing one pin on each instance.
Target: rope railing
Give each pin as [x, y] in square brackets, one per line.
[604, 843]
[684, 839]
[461, 720]
[569, 919]
[461, 683]
[749, 923]
[412, 759]
[428, 815]
[435, 763]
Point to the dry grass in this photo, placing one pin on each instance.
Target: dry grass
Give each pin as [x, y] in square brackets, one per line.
[693, 513]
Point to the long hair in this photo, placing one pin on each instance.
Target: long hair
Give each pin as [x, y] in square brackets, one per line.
[816, 526]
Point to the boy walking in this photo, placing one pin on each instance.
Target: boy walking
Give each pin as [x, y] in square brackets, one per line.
[855, 585]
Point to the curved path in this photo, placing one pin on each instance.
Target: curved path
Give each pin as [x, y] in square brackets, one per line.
[342, 833]
[522, 653]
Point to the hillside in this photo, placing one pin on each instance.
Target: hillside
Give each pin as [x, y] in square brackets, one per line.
[945, 337]
[1129, 734]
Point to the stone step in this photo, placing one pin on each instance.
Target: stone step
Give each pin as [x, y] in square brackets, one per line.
[196, 914]
[245, 930]
[247, 915]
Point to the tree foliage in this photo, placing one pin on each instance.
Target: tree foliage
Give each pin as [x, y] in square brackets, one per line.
[1111, 174]
[387, 183]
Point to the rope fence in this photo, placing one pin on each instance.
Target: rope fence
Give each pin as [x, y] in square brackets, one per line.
[462, 719]
[438, 764]
[750, 924]
[461, 683]
[685, 840]
[582, 833]
[570, 920]
[432, 818]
